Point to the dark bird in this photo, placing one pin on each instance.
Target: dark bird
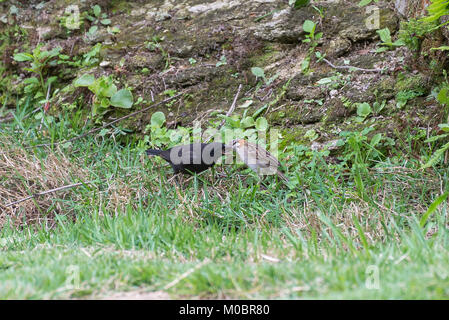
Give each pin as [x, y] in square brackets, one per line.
[191, 158]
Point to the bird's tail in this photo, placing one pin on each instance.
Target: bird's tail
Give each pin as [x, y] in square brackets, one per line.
[153, 152]
[282, 176]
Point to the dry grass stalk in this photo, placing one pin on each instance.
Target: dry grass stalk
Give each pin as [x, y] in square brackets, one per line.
[22, 174]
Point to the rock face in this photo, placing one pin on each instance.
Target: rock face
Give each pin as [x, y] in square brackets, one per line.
[209, 47]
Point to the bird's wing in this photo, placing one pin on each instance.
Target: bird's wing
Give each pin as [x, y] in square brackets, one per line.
[266, 157]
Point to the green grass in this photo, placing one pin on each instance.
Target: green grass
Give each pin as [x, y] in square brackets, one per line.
[135, 229]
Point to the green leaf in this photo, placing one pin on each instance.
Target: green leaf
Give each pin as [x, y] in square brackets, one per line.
[247, 122]
[308, 26]
[442, 48]
[261, 124]
[258, 72]
[103, 132]
[444, 127]
[324, 81]
[106, 21]
[305, 64]
[443, 96]
[246, 104]
[436, 156]
[97, 10]
[51, 80]
[92, 30]
[105, 102]
[109, 90]
[23, 57]
[122, 99]
[375, 139]
[234, 123]
[84, 81]
[364, 3]
[363, 109]
[158, 119]
[435, 138]
[31, 80]
[260, 110]
[298, 4]
[385, 35]
[222, 61]
[432, 208]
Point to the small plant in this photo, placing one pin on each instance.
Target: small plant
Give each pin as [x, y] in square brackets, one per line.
[359, 154]
[387, 43]
[363, 111]
[402, 97]
[436, 9]
[106, 94]
[379, 106]
[161, 136]
[192, 61]
[443, 98]
[222, 61]
[88, 59]
[40, 61]
[312, 38]
[113, 30]
[260, 74]
[333, 82]
[311, 135]
[156, 44]
[412, 32]
[71, 20]
[97, 17]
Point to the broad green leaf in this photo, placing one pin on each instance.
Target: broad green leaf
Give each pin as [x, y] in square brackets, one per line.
[97, 10]
[444, 127]
[363, 109]
[364, 3]
[258, 72]
[443, 96]
[261, 124]
[23, 57]
[385, 35]
[246, 104]
[105, 102]
[122, 99]
[109, 90]
[233, 122]
[376, 139]
[51, 80]
[158, 119]
[247, 122]
[298, 4]
[324, 81]
[31, 80]
[308, 26]
[84, 81]
[93, 29]
[305, 64]
[106, 21]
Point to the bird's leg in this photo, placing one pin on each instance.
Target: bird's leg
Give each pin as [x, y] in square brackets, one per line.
[213, 175]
